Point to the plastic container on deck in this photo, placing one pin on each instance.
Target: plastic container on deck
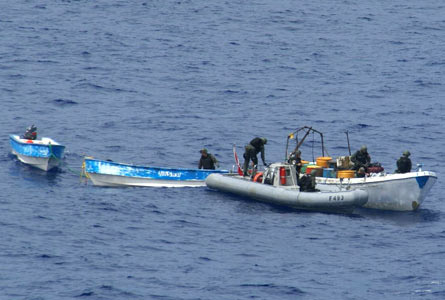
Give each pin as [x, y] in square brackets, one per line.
[329, 173]
[323, 161]
[319, 170]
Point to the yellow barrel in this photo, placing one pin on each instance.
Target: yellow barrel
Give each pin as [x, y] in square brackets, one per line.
[323, 161]
[345, 174]
[304, 162]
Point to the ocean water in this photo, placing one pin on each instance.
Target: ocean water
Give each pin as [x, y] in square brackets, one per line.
[151, 82]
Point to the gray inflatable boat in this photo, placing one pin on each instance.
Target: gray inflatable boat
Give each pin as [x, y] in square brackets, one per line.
[278, 186]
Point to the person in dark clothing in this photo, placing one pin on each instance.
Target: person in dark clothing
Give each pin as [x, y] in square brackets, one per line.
[207, 160]
[251, 150]
[361, 158]
[307, 182]
[295, 159]
[30, 133]
[404, 163]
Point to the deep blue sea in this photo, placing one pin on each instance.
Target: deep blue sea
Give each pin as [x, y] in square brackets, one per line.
[151, 82]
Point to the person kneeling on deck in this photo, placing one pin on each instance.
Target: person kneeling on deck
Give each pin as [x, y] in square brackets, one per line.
[404, 163]
[361, 158]
[30, 133]
[251, 150]
[307, 182]
[207, 160]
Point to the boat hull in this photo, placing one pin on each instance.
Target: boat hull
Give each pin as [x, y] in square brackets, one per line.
[398, 192]
[344, 201]
[112, 174]
[44, 154]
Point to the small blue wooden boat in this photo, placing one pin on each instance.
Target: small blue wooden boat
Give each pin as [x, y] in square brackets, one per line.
[44, 153]
[109, 173]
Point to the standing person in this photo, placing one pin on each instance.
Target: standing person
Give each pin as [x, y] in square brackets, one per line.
[295, 159]
[207, 160]
[404, 163]
[251, 150]
[361, 158]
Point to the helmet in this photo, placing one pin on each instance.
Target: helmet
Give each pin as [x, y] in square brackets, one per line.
[364, 148]
[264, 140]
[203, 150]
[406, 153]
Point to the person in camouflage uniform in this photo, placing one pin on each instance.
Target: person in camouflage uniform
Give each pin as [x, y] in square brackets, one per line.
[404, 163]
[361, 158]
[207, 160]
[251, 150]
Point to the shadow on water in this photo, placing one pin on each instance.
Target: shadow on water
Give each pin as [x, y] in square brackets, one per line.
[31, 174]
[250, 205]
[400, 218]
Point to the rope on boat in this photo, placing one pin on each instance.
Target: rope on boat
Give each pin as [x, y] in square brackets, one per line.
[84, 172]
[65, 165]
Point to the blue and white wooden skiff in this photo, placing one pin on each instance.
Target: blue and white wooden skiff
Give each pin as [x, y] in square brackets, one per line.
[109, 173]
[44, 153]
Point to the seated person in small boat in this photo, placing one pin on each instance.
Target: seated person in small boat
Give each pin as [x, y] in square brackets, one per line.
[360, 172]
[295, 159]
[30, 133]
[251, 150]
[361, 158]
[307, 182]
[207, 160]
[404, 163]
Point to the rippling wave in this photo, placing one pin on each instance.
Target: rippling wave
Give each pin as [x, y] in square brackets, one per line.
[152, 82]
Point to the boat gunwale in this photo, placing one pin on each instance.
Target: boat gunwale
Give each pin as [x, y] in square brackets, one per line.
[151, 168]
[373, 179]
[16, 138]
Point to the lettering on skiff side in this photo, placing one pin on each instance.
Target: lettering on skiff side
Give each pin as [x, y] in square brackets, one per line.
[168, 174]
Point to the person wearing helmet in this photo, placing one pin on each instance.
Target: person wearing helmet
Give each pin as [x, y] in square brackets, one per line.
[207, 160]
[295, 159]
[361, 158]
[251, 150]
[30, 133]
[404, 163]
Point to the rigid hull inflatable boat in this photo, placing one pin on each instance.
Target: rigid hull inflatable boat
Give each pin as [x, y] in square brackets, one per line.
[278, 186]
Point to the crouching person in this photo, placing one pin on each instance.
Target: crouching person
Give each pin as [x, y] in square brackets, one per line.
[307, 182]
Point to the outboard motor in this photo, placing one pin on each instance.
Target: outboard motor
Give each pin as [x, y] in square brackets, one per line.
[30, 133]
